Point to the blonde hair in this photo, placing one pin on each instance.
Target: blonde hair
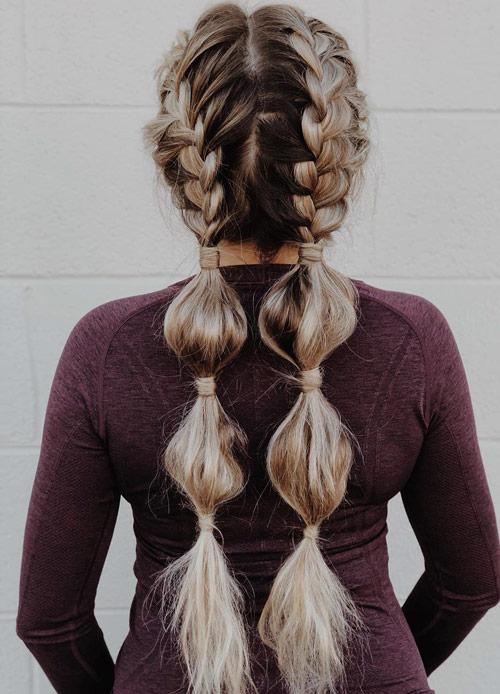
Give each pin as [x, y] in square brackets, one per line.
[261, 119]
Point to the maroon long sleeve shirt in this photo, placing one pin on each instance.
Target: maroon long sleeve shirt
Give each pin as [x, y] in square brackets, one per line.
[118, 392]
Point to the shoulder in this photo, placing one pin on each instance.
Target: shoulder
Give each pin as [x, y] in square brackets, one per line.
[88, 341]
[79, 372]
[439, 350]
[94, 330]
[423, 317]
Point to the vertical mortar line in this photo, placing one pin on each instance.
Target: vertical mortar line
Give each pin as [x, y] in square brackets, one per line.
[33, 688]
[366, 31]
[24, 48]
[33, 376]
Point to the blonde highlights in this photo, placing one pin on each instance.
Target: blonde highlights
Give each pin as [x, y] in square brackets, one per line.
[261, 135]
[309, 612]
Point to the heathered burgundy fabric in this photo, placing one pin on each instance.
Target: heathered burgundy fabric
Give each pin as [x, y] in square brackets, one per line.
[119, 392]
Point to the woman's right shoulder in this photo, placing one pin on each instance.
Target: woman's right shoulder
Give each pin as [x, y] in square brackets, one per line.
[96, 328]
[116, 310]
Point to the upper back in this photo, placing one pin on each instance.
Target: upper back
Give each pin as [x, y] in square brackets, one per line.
[379, 380]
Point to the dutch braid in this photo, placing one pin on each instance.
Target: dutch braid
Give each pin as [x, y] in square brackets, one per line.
[205, 325]
[309, 456]
[261, 135]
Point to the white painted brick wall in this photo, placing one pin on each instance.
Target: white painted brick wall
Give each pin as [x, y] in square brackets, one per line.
[81, 225]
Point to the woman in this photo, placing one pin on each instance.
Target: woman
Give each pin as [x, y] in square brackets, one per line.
[259, 414]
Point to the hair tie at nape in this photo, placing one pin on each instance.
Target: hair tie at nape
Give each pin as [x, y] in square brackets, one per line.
[209, 257]
[310, 379]
[310, 252]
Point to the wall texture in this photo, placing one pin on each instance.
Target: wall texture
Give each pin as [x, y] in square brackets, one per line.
[82, 225]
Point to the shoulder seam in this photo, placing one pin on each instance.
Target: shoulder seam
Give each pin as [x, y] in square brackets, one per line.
[425, 359]
[104, 356]
[137, 311]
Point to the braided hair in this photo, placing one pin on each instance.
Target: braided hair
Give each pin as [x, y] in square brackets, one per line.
[205, 325]
[305, 315]
[261, 135]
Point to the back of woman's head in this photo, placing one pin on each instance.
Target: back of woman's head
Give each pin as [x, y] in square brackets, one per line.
[261, 134]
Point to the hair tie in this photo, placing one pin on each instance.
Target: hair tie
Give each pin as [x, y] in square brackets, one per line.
[310, 252]
[205, 386]
[209, 257]
[310, 379]
[206, 522]
[311, 531]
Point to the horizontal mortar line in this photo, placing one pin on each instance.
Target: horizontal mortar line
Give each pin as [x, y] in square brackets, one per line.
[450, 281]
[162, 278]
[76, 106]
[62, 276]
[437, 111]
[20, 448]
[374, 109]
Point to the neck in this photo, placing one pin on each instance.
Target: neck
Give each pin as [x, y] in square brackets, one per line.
[247, 253]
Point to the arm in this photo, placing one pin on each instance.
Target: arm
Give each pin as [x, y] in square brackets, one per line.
[448, 503]
[71, 516]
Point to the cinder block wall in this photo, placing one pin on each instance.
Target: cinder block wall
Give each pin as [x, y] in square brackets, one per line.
[82, 225]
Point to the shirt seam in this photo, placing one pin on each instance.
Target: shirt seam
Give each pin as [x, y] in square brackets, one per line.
[111, 509]
[107, 347]
[135, 312]
[40, 517]
[474, 509]
[425, 359]
[362, 290]
[441, 605]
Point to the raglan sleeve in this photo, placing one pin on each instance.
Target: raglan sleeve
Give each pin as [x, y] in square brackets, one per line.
[70, 521]
[449, 505]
